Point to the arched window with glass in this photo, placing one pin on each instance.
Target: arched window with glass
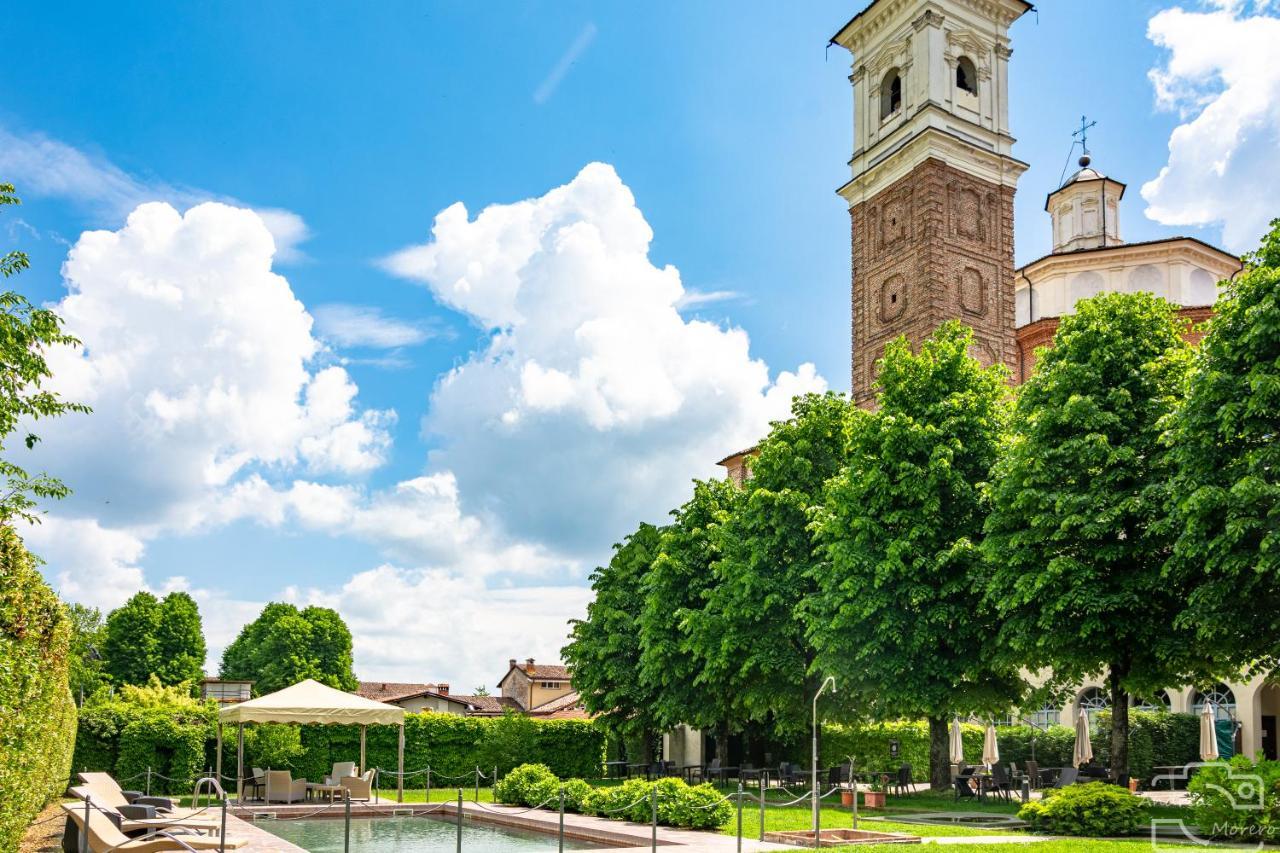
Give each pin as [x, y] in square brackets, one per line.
[1156, 702]
[1220, 697]
[1093, 700]
[1048, 715]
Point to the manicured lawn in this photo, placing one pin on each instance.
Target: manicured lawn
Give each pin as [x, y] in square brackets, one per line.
[1073, 845]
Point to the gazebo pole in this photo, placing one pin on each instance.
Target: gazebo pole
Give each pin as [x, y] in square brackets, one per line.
[400, 769]
[217, 761]
[362, 767]
[239, 763]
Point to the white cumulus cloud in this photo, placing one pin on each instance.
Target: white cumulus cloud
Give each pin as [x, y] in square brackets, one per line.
[595, 401]
[1222, 77]
[365, 326]
[198, 363]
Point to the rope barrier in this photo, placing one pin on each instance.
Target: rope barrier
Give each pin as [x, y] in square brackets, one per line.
[514, 814]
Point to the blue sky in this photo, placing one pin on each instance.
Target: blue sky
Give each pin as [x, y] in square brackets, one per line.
[357, 124]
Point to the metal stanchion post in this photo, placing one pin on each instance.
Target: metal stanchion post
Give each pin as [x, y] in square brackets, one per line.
[222, 834]
[459, 820]
[739, 816]
[477, 797]
[561, 819]
[346, 816]
[428, 784]
[84, 830]
[494, 782]
[853, 782]
[377, 785]
[762, 787]
[148, 781]
[654, 798]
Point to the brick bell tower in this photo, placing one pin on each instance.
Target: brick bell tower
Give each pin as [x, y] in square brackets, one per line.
[931, 196]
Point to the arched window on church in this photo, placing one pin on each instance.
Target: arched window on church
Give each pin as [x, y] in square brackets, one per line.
[1093, 700]
[890, 94]
[966, 75]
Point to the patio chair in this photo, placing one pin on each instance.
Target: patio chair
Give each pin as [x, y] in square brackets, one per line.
[718, 771]
[1000, 784]
[110, 796]
[107, 781]
[1033, 774]
[749, 773]
[254, 784]
[790, 773]
[358, 787]
[281, 787]
[963, 788]
[902, 786]
[104, 836]
[1068, 776]
[341, 770]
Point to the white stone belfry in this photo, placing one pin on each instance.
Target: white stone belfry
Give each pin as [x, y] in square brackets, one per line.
[930, 79]
[1085, 210]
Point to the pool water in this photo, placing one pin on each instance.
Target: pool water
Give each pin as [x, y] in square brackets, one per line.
[419, 834]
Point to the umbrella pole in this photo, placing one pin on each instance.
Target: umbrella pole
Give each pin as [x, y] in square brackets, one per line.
[400, 770]
[362, 767]
[217, 762]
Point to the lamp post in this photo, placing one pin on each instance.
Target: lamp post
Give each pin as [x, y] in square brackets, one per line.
[831, 679]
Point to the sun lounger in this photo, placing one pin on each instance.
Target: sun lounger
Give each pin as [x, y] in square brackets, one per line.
[141, 816]
[105, 836]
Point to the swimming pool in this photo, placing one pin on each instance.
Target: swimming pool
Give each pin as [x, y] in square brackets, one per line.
[419, 834]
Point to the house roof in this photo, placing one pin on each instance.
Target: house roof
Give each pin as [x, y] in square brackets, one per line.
[485, 706]
[1119, 247]
[537, 671]
[389, 691]
[755, 448]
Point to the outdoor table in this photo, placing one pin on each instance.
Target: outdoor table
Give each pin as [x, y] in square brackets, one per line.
[615, 769]
[320, 789]
[687, 772]
[636, 769]
[1172, 771]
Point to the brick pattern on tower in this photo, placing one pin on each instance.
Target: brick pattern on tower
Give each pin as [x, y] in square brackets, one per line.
[935, 245]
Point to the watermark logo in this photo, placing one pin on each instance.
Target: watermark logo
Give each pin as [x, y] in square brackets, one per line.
[1243, 792]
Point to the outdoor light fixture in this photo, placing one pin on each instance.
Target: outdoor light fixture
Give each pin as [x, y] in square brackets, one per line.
[831, 680]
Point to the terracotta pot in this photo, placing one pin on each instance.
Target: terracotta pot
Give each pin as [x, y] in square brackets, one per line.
[1133, 786]
[873, 799]
[846, 798]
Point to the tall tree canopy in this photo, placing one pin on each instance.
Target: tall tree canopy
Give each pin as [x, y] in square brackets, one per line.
[26, 332]
[898, 616]
[148, 636]
[675, 591]
[1074, 544]
[1227, 489]
[285, 645]
[750, 638]
[85, 658]
[603, 653]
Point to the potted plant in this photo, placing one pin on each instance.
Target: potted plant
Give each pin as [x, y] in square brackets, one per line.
[875, 798]
[846, 797]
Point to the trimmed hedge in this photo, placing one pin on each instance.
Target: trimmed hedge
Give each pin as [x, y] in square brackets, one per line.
[869, 745]
[138, 728]
[1097, 809]
[679, 805]
[37, 713]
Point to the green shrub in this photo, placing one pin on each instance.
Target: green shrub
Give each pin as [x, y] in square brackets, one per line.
[526, 785]
[869, 745]
[37, 714]
[576, 793]
[1239, 800]
[697, 807]
[1093, 809]
[1156, 739]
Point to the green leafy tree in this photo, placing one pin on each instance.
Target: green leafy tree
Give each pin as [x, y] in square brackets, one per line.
[675, 590]
[1226, 492]
[85, 659]
[750, 638]
[130, 645]
[1074, 543]
[603, 653]
[151, 637]
[180, 647]
[898, 615]
[26, 332]
[285, 645]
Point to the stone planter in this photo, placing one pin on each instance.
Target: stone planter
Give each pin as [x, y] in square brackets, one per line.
[873, 799]
[846, 798]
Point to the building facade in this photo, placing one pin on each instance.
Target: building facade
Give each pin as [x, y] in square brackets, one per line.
[535, 690]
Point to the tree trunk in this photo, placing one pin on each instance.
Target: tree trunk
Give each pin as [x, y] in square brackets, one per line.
[939, 754]
[1119, 727]
[722, 744]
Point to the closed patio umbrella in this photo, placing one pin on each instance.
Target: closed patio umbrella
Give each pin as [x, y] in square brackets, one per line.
[1208, 734]
[1083, 752]
[990, 748]
[957, 743]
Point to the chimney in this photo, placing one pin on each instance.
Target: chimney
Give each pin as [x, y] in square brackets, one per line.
[442, 689]
[512, 664]
[384, 685]
[528, 665]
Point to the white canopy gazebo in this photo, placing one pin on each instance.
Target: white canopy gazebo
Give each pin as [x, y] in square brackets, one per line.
[311, 702]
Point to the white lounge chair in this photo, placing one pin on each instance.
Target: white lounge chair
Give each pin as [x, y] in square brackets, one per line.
[104, 836]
